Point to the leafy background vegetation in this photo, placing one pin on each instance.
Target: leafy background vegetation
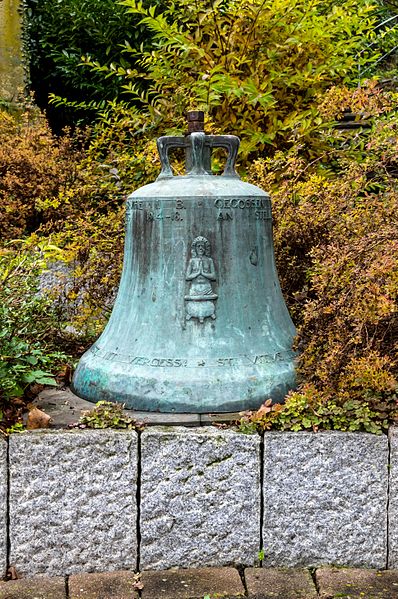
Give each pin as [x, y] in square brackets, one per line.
[277, 73]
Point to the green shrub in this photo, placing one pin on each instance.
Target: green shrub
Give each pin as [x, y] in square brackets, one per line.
[107, 414]
[310, 409]
[254, 67]
[49, 187]
[30, 328]
[60, 33]
[36, 170]
[336, 240]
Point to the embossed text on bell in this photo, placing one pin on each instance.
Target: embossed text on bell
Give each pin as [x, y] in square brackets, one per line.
[199, 323]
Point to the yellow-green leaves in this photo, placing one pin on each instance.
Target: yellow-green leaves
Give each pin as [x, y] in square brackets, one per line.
[255, 67]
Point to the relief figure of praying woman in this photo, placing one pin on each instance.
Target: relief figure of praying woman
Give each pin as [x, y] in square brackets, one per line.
[200, 275]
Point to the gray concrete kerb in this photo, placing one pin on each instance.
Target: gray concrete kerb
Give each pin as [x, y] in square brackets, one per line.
[109, 585]
[40, 587]
[280, 583]
[220, 583]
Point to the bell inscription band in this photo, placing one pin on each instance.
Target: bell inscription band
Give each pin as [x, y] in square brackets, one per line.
[199, 323]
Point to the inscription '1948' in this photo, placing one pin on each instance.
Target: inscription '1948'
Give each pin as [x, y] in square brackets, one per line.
[174, 210]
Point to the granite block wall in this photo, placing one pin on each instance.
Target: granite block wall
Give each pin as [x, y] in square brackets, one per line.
[206, 497]
[325, 499]
[393, 500]
[73, 501]
[200, 498]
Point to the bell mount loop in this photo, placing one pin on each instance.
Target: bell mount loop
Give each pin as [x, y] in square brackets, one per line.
[197, 142]
[198, 146]
[231, 144]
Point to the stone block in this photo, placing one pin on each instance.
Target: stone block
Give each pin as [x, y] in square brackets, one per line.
[3, 506]
[200, 498]
[40, 587]
[280, 583]
[325, 499]
[193, 584]
[73, 501]
[109, 585]
[355, 582]
[393, 500]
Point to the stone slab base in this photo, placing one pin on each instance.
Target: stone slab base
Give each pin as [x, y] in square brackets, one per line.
[65, 408]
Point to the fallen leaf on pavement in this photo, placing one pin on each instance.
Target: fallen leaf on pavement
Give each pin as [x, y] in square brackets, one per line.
[37, 419]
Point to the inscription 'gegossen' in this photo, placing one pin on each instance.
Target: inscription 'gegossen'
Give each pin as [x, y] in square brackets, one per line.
[241, 203]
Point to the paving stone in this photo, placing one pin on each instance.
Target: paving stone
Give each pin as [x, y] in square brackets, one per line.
[367, 584]
[393, 503]
[220, 583]
[62, 405]
[73, 501]
[325, 499]
[3, 506]
[65, 408]
[280, 583]
[200, 498]
[40, 587]
[111, 585]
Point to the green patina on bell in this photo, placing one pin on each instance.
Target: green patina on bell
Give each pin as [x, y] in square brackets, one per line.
[199, 323]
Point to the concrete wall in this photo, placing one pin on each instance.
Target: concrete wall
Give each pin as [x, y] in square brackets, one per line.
[11, 67]
[82, 501]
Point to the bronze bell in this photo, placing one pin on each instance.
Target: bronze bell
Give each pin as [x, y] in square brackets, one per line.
[199, 323]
